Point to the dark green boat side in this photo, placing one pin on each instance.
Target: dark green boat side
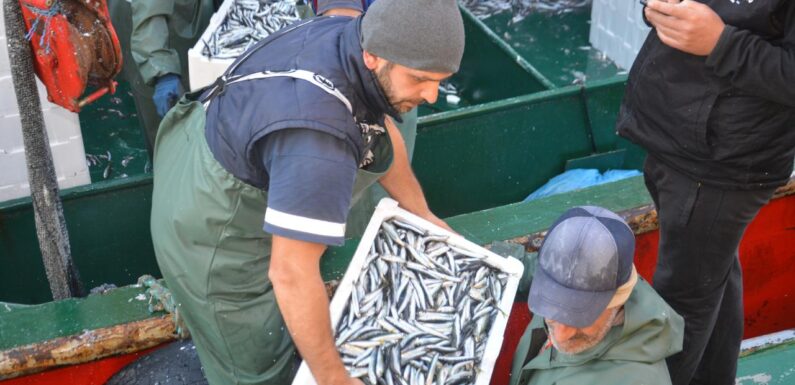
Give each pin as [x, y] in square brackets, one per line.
[519, 123]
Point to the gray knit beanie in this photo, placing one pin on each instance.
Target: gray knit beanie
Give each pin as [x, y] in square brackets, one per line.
[426, 35]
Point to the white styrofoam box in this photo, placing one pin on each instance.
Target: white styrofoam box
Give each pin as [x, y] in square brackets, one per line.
[10, 135]
[69, 164]
[68, 156]
[8, 98]
[5, 66]
[14, 169]
[388, 209]
[61, 127]
[63, 131]
[618, 30]
[202, 70]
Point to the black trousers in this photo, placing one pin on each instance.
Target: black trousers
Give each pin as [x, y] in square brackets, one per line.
[698, 270]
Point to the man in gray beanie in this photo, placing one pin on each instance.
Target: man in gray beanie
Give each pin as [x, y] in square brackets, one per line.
[255, 176]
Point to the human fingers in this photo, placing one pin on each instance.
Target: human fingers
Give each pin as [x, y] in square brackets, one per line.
[669, 38]
[667, 8]
[658, 19]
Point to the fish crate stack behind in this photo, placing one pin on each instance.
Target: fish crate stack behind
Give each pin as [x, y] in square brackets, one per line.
[618, 29]
[428, 305]
[63, 131]
[206, 61]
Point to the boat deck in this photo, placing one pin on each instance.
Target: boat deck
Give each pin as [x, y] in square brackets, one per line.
[774, 366]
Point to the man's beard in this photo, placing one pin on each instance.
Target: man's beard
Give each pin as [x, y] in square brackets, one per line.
[581, 342]
[401, 106]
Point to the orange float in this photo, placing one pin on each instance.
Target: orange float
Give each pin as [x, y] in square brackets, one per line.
[74, 47]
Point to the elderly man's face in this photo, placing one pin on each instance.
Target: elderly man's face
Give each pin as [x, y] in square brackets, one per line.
[571, 340]
[405, 87]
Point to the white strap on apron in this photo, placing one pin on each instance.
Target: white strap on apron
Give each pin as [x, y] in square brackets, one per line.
[311, 77]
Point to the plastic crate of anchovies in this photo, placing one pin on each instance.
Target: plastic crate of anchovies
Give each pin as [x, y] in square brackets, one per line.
[235, 27]
[420, 305]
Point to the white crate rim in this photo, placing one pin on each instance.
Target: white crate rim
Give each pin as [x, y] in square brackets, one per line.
[200, 67]
[388, 209]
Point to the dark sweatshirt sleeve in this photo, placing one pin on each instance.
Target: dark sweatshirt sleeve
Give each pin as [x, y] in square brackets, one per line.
[758, 66]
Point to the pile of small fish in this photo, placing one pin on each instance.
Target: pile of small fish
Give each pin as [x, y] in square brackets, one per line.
[450, 93]
[420, 310]
[483, 9]
[248, 22]
[97, 160]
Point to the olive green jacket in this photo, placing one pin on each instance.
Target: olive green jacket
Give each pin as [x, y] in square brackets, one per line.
[162, 33]
[632, 353]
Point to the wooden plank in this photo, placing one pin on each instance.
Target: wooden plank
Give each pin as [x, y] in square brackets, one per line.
[520, 223]
[85, 347]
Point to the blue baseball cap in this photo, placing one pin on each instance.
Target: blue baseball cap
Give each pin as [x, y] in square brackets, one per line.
[585, 258]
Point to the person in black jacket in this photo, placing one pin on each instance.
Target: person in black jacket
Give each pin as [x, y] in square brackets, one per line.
[711, 97]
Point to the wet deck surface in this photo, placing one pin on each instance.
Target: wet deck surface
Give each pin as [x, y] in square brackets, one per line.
[774, 366]
[556, 44]
[110, 125]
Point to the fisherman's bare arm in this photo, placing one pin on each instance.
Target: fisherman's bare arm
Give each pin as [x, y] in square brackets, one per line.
[303, 302]
[401, 183]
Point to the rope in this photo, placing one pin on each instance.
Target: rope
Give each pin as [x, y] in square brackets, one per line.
[47, 15]
[160, 299]
[51, 231]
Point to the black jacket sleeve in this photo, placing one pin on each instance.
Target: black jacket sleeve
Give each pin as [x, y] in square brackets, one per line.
[758, 66]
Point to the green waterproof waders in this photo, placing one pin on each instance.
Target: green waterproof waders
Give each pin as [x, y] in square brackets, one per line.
[214, 254]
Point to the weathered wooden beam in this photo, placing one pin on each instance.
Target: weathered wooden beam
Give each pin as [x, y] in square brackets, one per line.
[641, 219]
[136, 336]
[88, 346]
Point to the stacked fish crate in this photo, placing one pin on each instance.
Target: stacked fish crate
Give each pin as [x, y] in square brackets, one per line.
[618, 29]
[63, 132]
[419, 304]
[234, 28]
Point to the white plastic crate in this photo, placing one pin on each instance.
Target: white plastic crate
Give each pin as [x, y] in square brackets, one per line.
[618, 30]
[388, 209]
[63, 132]
[202, 70]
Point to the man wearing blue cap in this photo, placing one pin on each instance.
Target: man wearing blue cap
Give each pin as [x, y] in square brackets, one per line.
[595, 320]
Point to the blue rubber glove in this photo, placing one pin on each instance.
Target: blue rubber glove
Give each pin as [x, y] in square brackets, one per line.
[168, 90]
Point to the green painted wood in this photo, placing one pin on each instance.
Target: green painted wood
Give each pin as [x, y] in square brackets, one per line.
[108, 227]
[498, 153]
[24, 325]
[555, 44]
[603, 99]
[602, 161]
[488, 72]
[111, 125]
[774, 366]
[31, 324]
[467, 160]
[506, 48]
[519, 219]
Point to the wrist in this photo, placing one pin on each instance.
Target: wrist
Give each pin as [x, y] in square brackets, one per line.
[337, 376]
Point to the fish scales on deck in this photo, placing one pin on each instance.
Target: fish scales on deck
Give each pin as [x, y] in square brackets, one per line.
[246, 23]
[483, 9]
[420, 310]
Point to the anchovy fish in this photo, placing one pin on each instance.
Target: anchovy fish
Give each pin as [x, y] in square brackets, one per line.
[483, 9]
[248, 22]
[420, 310]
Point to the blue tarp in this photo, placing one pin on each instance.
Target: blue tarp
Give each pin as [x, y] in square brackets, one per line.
[578, 179]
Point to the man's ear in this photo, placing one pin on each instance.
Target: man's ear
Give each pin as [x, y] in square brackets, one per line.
[370, 60]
